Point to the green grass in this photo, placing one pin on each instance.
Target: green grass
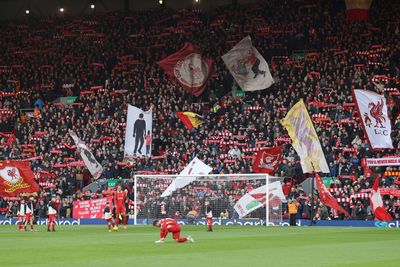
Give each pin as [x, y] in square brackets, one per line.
[227, 246]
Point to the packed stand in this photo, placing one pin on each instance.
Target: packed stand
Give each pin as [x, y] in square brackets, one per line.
[109, 61]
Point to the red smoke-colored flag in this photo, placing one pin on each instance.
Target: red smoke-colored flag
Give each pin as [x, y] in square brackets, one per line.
[189, 68]
[378, 209]
[326, 198]
[16, 177]
[267, 160]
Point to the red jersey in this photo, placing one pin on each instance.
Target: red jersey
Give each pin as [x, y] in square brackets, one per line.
[169, 225]
[119, 198]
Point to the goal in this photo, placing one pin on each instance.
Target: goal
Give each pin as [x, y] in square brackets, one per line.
[222, 192]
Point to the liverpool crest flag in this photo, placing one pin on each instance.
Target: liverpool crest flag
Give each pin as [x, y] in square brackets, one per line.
[189, 68]
[248, 66]
[16, 177]
[374, 116]
[267, 160]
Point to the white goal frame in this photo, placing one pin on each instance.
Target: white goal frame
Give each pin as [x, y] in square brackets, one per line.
[206, 178]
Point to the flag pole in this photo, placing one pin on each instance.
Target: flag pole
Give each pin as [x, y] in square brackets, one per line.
[312, 195]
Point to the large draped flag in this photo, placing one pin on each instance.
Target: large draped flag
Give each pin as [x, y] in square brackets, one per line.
[138, 133]
[374, 116]
[16, 177]
[248, 66]
[189, 68]
[88, 158]
[267, 160]
[257, 198]
[326, 198]
[378, 209]
[196, 166]
[304, 139]
[357, 9]
[190, 120]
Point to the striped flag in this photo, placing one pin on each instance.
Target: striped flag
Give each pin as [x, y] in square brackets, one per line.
[190, 120]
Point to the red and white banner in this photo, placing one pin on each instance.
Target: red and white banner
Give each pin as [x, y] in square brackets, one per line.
[386, 161]
[267, 160]
[374, 116]
[189, 68]
[377, 206]
[16, 177]
[90, 209]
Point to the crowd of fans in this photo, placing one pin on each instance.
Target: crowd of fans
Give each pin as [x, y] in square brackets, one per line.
[109, 61]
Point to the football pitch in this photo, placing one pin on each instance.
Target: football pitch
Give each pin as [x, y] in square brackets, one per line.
[227, 246]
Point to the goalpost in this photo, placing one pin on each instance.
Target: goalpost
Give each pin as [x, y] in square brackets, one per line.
[219, 191]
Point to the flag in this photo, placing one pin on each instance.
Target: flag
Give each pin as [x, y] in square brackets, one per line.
[90, 161]
[256, 198]
[248, 67]
[189, 68]
[190, 120]
[16, 177]
[196, 166]
[304, 139]
[267, 160]
[357, 9]
[378, 209]
[138, 133]
[326, 198]
[374, 116]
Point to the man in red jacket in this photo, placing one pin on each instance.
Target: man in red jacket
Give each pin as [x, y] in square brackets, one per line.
[169, 225]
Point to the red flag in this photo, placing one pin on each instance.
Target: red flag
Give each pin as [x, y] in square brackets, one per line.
[378, 209]
[267, 160]
[326, 198]
[16, 177]
[189, 68]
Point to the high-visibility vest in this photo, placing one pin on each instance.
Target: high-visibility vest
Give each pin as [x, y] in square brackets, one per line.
[292, 208]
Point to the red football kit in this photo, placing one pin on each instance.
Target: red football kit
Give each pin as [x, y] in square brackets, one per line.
[119, 201]
[171, 226]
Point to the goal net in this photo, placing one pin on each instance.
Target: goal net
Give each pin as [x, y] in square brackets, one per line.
[233, 199]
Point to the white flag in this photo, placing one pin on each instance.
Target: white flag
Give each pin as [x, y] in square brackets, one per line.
[256, 198]
[138, 132]
[374, 117]
[248, 66]
[196, 166]
[90, 161]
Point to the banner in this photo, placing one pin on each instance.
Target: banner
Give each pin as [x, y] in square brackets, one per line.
[196, 166]
[376, 202]
[267, 160]
[248, 67]
[90, 161]
[190, 120]
[386, 161]
[326, 198]
[138, 134]
[16, 177]
[304, 139]
[257, 198]
[189, 68]
[374, 116]
[90, 209]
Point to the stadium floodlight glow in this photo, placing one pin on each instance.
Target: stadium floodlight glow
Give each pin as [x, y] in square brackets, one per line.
[92, 6]
[27, 11]
[61, 9]
[160, 2]
[197, 1]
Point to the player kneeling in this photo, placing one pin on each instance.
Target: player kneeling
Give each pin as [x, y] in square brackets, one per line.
[108, 216]
[170, 226]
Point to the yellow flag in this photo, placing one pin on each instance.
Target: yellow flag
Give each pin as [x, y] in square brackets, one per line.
[304, 139]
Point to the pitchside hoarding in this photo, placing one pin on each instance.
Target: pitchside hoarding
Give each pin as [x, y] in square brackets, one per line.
[226, 222]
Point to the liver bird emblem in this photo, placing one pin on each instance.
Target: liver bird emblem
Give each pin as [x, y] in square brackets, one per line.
[376, 113]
